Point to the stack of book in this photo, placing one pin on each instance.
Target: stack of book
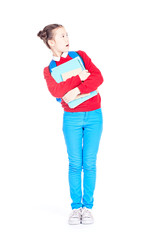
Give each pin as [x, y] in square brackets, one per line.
[68, 70]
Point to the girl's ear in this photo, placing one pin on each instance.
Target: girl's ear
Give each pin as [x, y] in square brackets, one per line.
[51, 43]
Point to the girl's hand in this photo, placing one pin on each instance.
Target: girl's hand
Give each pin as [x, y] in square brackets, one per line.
[84, 75]
[71, 95]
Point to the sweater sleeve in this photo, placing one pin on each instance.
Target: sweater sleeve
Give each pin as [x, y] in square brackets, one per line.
[60, 89]
[95, 78]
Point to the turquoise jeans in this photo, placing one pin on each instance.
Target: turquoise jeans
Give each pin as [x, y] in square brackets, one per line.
[82, 132]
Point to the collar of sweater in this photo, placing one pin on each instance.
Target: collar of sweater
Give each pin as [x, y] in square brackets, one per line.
[64, 55]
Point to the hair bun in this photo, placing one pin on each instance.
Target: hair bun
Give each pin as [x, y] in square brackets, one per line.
[42, 34]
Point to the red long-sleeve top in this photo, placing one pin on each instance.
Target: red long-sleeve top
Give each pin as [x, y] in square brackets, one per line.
[94, 80]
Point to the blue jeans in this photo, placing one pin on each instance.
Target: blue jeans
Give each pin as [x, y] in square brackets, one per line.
[82, 132]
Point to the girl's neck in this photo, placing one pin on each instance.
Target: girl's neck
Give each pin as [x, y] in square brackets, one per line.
[56, 53]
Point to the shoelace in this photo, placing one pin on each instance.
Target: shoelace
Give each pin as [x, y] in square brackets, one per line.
[86, 213]
[75, 213]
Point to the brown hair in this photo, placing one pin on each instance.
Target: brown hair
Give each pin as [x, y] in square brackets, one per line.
[47, 33]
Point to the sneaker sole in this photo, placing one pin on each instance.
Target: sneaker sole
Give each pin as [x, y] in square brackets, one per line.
[87, 222]
[74, 222]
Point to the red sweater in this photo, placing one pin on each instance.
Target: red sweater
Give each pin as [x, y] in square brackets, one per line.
[94, 80]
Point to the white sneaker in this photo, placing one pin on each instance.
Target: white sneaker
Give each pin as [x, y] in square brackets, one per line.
[87, 217]
[75, 216]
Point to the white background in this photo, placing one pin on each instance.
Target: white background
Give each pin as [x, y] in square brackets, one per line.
[122, 39]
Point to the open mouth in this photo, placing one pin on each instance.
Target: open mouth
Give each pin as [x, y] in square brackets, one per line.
[67, 45]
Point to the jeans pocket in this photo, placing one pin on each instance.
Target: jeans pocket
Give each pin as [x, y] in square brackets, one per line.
[99, 111]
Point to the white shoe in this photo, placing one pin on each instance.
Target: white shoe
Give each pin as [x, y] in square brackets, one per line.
[75, 216]
[87, 217]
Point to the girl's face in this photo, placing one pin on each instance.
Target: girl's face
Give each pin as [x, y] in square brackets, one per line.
[60, 43]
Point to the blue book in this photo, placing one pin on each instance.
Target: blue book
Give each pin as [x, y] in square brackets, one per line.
[69, 69]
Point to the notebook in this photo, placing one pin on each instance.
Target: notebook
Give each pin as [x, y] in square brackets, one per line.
[67, 70]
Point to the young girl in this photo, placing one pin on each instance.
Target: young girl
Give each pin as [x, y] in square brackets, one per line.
[82, 125]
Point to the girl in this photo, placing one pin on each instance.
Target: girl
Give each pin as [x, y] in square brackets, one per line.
[82, 125]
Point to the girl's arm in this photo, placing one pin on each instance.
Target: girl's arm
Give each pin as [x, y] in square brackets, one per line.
[60, 89]
[71, 95]
[95, 78]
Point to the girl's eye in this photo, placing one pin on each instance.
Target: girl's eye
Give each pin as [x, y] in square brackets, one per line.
[66, 35]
